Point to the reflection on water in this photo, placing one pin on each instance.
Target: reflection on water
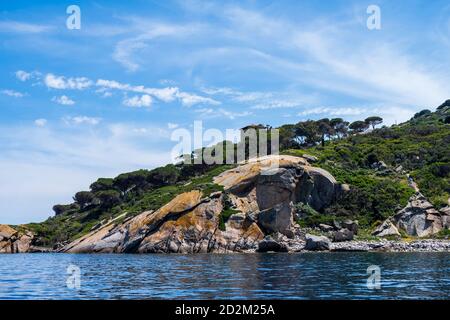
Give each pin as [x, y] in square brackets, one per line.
[235, 276]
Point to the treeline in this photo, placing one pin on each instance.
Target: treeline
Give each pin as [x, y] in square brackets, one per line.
[106, 193]
[312, 132]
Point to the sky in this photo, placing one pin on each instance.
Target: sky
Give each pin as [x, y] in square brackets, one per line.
[78, 104]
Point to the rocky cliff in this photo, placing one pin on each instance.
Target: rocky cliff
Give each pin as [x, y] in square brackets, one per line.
[260, 194]
[419, 219]
[13, 241]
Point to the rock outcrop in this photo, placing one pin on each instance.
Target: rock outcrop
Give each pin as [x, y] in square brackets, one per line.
[187, 224]
[419, 217]
[13, 241]
[261, 191]
[387, 228]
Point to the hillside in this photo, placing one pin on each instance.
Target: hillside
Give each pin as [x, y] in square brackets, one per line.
[373, 164]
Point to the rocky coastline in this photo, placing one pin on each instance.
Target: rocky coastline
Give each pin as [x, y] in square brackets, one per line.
[260, 200]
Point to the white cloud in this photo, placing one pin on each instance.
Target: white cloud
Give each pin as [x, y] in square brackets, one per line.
[12, 93]
[338, 111]
[64, 100]
[167, 94]
[23, 75]
[146, 31]
[276, 104]
[138, 101]
[60, 82]
[172, 125]
[78, 120]
[40, 122]
[214, 113]
[22, 27]
[189, 100]
[112, 84]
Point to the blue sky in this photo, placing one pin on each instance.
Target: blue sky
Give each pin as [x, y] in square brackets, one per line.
[80, 104]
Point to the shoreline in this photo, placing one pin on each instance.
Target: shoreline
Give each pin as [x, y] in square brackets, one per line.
[424, 245]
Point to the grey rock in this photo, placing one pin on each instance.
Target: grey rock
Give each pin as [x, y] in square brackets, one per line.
[316, 243]
[342, 235]
[419, 217]
[387, 228]
[270, 245]
[275, 187]
[276, 219]
[310, 158]
[380, 166]
[325, 227]
[316, 187]
[351, 225]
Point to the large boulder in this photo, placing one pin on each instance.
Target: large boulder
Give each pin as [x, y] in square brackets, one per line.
[445, 212]
[316, 187]
[276, 219]
[351, 225]
[343, 235]
[419, 217]
[270, 245]
[13, 241]
[387, 228]
[317, 243]
[274, 179]
[275, 186]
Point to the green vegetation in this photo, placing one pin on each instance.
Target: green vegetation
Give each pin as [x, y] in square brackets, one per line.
[419, 147]
[130, 193]
[308, 217]
[226, 213]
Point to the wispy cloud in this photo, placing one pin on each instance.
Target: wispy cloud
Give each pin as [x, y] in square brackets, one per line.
[23, 75]
[337, 111]
[60, 82]
[167, 94]
[138, 101]
[214, 113]
[40, 122]
[12, 93]
[147, 30]
[78, 120]
[63, 100]
[23, 27]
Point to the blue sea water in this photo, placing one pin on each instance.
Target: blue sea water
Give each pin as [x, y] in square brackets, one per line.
[233, 276]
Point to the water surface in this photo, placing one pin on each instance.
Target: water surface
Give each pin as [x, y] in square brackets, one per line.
[234, 276]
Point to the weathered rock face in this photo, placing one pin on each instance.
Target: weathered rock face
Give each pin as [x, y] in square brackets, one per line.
[276, 219]
[187, 224]
[387, 228]
[419, 217]
[262, 191]
[13, 241]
